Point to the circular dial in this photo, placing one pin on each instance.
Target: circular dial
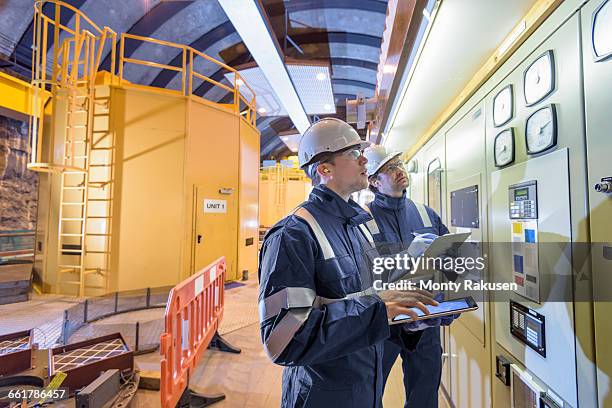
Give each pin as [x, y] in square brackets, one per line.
[541, 130]
[504, 148]
[602, 31]
[502, 106]
[539, 79]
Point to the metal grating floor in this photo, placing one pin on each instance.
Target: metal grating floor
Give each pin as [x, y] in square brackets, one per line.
[11, 346]
[87, 355]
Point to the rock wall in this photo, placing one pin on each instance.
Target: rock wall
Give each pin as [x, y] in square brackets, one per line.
[18, 185]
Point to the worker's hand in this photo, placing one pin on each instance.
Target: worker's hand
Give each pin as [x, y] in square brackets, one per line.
[444, 320]
[401, 301]
[420, 243]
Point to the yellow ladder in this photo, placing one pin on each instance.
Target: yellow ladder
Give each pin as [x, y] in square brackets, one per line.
[100, 197]
[74, 190]
[84, 225]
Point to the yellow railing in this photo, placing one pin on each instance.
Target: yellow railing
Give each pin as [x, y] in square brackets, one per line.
[241, 105]
[73, 63]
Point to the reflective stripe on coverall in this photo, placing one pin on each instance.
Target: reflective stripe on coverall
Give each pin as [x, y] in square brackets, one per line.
[396, 220]
[318, 314]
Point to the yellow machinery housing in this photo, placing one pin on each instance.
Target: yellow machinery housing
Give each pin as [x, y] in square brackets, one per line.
[145, 185]
[281, 189]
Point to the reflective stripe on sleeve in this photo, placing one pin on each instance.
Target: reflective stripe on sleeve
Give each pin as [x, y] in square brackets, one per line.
[284, 331]
[320, 300]
[288, 298]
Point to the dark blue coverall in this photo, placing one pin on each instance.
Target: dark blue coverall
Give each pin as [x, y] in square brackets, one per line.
[397, 219]
[313, 319]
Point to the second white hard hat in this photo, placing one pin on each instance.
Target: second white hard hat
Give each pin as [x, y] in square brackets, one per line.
[327, 135]
[377, 157]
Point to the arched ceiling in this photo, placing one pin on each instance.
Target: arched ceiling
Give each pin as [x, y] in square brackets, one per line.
[347, 33]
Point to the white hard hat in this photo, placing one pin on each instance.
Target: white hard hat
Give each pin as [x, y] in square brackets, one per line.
[377, 157]
[327, 135]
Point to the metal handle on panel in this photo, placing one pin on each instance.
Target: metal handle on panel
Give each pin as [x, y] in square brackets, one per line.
[604, 186]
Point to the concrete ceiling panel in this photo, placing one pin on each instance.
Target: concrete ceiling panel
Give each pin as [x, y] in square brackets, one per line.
[17, 15]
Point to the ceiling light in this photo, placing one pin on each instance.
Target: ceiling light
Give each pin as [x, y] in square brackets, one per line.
[291, 139]
[262, 110]
[389, 69]
[239, 82]
[426, 14]
[512, 37]
[314, 95]
[250, 24]
[321, 76]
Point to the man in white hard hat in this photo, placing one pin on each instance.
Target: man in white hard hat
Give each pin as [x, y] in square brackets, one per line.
[319, 315]
[398, 220]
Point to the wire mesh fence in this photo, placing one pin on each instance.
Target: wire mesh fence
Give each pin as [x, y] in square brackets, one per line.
[93, 317]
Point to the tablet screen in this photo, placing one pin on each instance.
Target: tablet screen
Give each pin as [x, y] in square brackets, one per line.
[451, 305]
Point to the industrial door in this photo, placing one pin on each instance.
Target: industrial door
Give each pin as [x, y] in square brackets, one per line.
[215, 232]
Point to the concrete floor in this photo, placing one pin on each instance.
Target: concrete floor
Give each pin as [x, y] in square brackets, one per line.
[247, 379]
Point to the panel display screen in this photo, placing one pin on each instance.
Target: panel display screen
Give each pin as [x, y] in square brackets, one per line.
[521, 194]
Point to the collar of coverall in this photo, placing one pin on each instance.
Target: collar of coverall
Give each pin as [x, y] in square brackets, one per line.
[392, 203]
[331, 203]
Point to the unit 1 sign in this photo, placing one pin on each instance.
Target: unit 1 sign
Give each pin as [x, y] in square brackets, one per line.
[215, 206]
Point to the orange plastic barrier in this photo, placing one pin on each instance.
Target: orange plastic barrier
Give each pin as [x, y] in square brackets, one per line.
[193, 314]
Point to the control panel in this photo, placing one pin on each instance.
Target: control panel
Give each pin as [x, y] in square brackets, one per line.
[523, 199]
[528, 326]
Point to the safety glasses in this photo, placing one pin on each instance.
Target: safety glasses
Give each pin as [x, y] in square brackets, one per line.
[353, 154]
[393, 167]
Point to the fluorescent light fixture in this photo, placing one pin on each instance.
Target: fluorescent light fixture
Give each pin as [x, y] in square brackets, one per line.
[285, 138]
[261, 110]
[251, 25]
[316, 95]
[512, 37]
[239, 82]
[389, 69]
[424, 29]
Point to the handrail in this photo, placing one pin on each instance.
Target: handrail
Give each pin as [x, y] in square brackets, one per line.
[76, 57]
[188, 73]
[73, 59]
[39, 3]
[17, 234]
[16, 243]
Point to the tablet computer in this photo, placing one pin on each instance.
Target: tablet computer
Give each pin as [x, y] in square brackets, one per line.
[448, 307]
[445, 242]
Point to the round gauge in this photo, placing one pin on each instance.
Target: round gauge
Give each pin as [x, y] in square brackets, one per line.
[541, 130]
[539, 78]
[602, 31]
[504, 148]
[502, 106]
